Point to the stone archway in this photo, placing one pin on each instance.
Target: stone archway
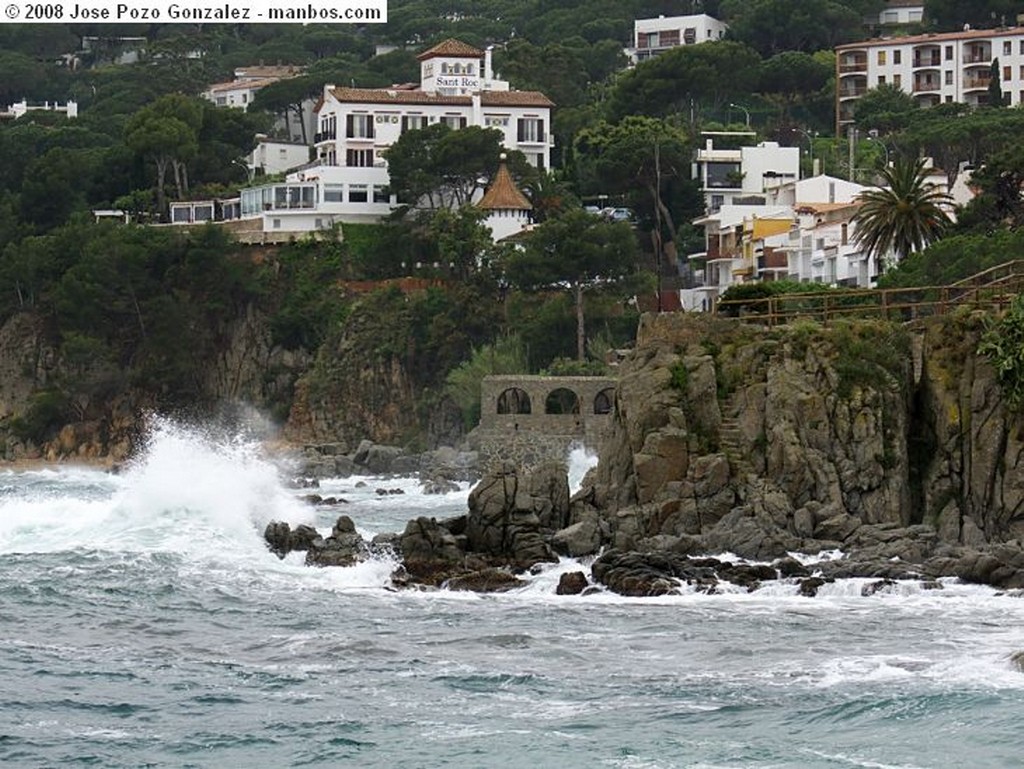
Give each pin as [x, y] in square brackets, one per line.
[514, 400]
[562, 400]
[604, 401]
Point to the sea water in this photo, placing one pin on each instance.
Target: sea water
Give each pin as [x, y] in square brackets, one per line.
[144, 623]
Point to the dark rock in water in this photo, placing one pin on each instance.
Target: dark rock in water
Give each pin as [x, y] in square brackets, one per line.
[809, 587]
[389, 492]
[882, 585]
[485, 581]
[312, 499]
[303, 483]
[581, 538]
[438, 485]
[282, 540]
[746, 575]
[1017, 661]
[791, 567]
[1001, 566]
[573, 583]
[344, 547]
[641, 574]
[376, 458]
[508, 511]
[429, 551]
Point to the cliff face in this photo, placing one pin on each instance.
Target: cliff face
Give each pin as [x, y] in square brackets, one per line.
[799, 435]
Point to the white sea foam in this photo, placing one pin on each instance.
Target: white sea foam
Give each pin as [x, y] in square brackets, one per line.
[580, 462]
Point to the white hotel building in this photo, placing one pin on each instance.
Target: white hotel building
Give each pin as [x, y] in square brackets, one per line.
[934, 69]
[348, 181]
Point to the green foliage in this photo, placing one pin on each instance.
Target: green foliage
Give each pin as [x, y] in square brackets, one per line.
[312, 303]
[46, 413]
[506, 355]
[954, 258]
[574, 367]
[680, 378]
[1003, 345]
[885, 108]
[905, 215]
[869, 352]
[772, 26]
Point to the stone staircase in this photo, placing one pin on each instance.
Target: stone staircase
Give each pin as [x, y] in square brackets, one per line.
[732, 443]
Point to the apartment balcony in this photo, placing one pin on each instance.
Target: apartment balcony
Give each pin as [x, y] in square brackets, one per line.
[979, 53]
[324, 136]
[927, 86]
[853, 67]
[927, 55]
[933, 62]
[976, 83]
[853, 93]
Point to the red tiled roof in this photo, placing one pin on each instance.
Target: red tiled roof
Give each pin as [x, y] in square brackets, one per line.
[487, 98]
[503, 193]
[451, 47]
[969, 34]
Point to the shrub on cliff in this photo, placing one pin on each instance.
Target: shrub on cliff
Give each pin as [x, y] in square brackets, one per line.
[1003, 345]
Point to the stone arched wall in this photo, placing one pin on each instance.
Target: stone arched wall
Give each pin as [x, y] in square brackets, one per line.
[548, 435]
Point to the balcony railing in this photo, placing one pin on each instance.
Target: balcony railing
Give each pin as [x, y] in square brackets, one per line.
[927, 61]
[854, 66]
[977, 58]
[325, 136]
[850, 93]
[976, 82]
[927, 85]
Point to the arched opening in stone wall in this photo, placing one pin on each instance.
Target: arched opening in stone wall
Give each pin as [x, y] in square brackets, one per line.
[604, 401]
[514, 401]
[562, 400]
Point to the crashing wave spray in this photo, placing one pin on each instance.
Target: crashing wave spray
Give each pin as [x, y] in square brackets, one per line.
[581, 460]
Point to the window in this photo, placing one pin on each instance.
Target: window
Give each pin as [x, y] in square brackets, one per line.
[1022, 72]
[896, 80]
[881, 79]
[949, 77]
[881, 58]
[949, 53]
[1007, 73]
[413, 122]
[359, 126]
[668, 38]
[1007, 48]
[530, 129]
[454, 121]
[896, 57]
[334, 193]
[359, 158]
[358, 193]
[276, 224]
[380, 194]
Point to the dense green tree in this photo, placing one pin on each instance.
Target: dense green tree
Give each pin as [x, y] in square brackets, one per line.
[885, 109]
[952, 15]
[461, 237]
[774, 26]
[638, 153]
[167, 131]
[687, 80]
[996, 97]
[286, 97]
[905, 215]
[577, 251]
[439, 166]
[998, 203]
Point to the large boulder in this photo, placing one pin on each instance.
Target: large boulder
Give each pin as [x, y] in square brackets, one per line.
[507, 513]
[430, 552]
[281, 539]
[344, 546]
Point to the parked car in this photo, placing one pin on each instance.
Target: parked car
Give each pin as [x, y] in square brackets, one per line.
[618, 214]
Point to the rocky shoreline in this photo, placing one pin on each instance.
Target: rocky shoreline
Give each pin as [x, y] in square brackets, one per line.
[890, 445]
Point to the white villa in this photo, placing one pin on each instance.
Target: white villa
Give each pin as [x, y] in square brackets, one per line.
[21, 108]
[742, 174]
[348, 181]
[654, 36]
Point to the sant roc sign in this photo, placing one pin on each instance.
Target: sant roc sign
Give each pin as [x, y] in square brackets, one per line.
[458, 82]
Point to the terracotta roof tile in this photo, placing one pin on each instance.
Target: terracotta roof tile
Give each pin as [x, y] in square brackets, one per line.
[451, 47]
[487, 98]
[503, 193]
[969, 34]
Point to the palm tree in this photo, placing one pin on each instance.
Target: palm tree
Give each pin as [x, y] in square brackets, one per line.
[905, 215]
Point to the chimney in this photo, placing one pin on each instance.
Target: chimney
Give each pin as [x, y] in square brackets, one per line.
[487, 64]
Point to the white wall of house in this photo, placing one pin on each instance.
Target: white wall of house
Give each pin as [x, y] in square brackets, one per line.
[504, 223]
[657, 35]
[726, 175]
[275, 157]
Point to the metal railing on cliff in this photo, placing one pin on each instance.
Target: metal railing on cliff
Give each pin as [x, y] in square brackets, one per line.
[992, 289]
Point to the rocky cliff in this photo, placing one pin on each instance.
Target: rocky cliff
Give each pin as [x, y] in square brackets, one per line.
[804, 437]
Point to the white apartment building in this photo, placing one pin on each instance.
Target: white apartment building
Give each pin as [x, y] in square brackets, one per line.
[802, 231]
[900, 12]
[654, 36]
[272, 156]
[740, 174]
[349, 182]
[934, 68]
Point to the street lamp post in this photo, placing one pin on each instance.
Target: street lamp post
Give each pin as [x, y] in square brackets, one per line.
[810, 145]
[873, 136]
[746, 112]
